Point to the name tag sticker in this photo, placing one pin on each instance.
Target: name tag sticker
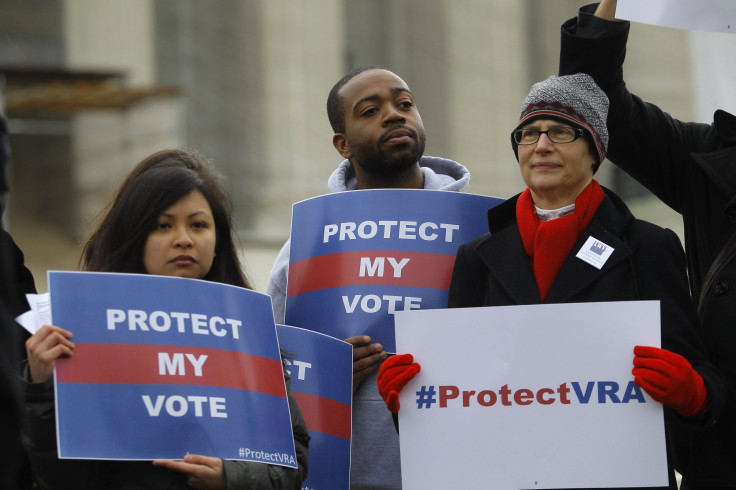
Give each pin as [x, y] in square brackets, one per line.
[595, 252]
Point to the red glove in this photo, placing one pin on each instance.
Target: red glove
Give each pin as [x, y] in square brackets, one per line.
[670, 379]
[393, 375]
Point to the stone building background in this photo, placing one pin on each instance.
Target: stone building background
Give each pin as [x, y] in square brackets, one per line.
[245, 82]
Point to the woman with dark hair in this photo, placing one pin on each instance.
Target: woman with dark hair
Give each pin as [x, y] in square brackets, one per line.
[154, 185]
[171, 216]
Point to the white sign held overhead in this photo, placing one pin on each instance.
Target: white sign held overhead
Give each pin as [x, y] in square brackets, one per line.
[697, 15]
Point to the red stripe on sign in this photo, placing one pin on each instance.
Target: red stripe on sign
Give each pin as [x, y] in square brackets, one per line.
[171, 365]
[324, 415]
[422, 270]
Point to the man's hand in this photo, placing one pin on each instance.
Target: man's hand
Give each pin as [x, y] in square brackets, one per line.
[367, 358]
[44, 348]
[202, 472]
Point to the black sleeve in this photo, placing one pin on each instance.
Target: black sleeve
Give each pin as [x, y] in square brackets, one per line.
[39, 440]
[467, 284]
[15, 282]
[646, 142]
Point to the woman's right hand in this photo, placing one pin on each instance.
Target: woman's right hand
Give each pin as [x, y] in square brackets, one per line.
[44, 348]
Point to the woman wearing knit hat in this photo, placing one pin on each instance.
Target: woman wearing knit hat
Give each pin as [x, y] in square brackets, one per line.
[530, 254]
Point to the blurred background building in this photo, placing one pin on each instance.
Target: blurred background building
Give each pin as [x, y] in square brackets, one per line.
[92, 86]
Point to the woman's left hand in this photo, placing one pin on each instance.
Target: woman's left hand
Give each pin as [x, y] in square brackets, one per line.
[203, 472]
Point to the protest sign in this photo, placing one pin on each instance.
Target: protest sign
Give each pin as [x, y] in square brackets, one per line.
[165, 366]
[357, 257]
[321, 369]
[538, 396]
[701, 15]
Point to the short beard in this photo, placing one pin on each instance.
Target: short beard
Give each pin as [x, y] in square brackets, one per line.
[384, 164]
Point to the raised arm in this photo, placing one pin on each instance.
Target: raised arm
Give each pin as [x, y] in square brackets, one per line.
[644, 140]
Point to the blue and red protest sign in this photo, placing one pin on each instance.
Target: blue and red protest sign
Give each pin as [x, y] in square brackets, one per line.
[357, 257]
[165, 366]
[321, 369]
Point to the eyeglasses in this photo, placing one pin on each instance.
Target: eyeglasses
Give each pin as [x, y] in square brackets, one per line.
[562, 134]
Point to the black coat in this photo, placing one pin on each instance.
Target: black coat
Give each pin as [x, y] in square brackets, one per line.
[647, 264]
[692, 168]
[15, 282]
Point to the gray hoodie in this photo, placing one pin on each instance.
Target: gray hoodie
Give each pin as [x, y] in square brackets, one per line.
[375, 461]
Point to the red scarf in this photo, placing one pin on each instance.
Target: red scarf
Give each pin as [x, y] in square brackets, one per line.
[548, 243]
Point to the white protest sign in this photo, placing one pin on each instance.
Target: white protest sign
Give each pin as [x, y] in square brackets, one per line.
[700, 15]
[538, 396]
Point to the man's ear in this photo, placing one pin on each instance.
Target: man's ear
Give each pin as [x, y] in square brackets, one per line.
[340, 142]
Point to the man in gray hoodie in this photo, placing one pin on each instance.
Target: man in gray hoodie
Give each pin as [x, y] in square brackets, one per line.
[379, 132]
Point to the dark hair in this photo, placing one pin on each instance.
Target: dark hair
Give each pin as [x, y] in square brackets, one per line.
[154, 185]
[334, 102]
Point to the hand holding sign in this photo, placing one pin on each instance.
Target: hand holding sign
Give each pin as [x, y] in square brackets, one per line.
[44, 348]
[393, 376]
[670, 379]
[203, 472]
[366, 358]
